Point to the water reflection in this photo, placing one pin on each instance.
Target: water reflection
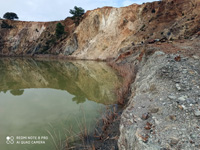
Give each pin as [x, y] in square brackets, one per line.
[85, 80]
[16, 92]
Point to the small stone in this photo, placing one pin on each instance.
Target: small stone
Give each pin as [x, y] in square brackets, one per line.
[148, 126]
[182, 107]
[184, 71]
[145, 138]
[174, 141]
[191, 101]
[172, 117]
[183, 129]
[182, 98]
[145, 116]
[178, 87]
[172, 97]
[131, 121]
[193, 136]
[195, 57]
[177, 58]
[156, 121]
[197, 113]
[154, 110]
[158, 53]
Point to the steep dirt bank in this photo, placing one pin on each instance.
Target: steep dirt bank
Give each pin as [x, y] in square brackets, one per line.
[105, 32]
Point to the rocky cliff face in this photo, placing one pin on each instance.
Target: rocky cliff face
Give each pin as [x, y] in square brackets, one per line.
[164, 108]
[104, 32]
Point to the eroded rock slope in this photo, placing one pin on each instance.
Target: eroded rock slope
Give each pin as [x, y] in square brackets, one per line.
[103, 32]
[164, 109]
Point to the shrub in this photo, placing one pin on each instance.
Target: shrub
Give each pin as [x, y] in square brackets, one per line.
[77, 13]
[60, 30]
[6, 25]
[153, 11]
[10, 16]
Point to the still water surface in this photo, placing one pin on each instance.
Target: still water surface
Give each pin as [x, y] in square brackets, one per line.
[43, 100]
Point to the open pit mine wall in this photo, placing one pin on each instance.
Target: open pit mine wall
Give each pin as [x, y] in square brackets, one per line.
[104, 32]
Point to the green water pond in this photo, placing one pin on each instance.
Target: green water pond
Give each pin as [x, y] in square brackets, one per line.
[44, 101]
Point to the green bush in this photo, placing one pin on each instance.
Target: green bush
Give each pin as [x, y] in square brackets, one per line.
[10, 16]
[77, 13]
[60, 30]
[6, 25]
[153, 11]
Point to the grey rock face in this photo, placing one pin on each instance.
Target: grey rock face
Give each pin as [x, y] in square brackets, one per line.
[172, 108]
[72, 45]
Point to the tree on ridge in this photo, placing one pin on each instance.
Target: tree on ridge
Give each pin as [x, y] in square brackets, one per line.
[10, 16]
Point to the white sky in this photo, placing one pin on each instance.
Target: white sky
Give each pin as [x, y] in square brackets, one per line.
[50, 10]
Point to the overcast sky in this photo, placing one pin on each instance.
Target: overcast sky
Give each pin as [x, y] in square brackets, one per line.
[50, 10]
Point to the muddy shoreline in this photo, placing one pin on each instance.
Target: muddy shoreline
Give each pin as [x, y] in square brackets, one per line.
[54, 57]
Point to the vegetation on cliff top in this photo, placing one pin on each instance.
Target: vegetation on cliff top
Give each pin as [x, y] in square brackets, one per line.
[10, 16]
[77, 13]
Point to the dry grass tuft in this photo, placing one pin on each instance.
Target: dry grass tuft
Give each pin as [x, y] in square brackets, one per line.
[108, 117]
[128, 72]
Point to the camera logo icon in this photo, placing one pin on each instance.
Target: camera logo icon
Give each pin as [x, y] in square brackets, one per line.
[10, 140]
